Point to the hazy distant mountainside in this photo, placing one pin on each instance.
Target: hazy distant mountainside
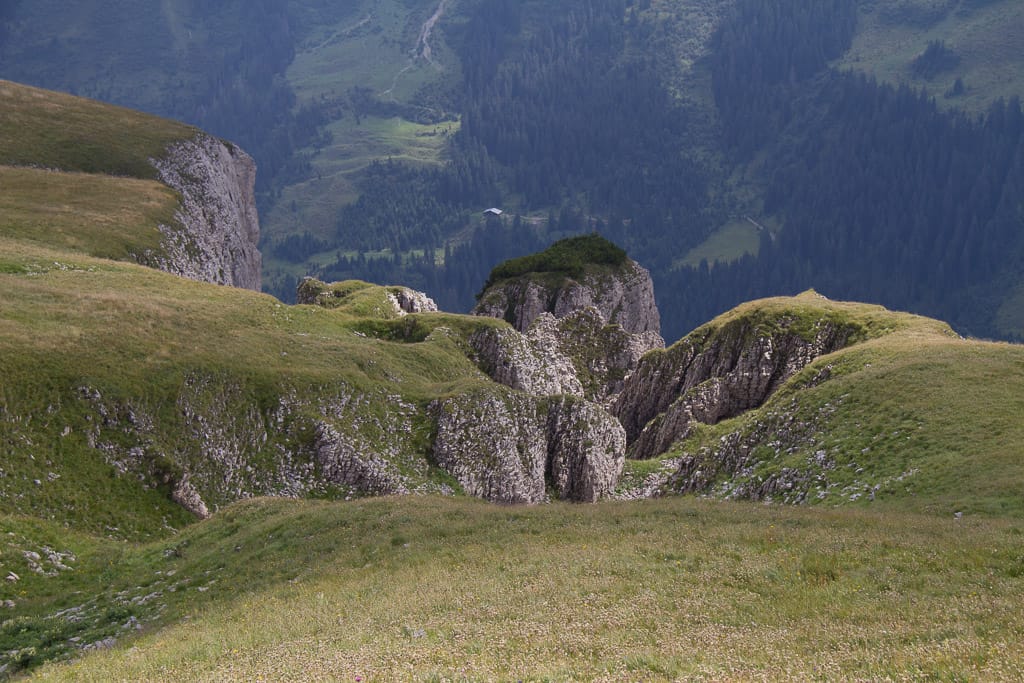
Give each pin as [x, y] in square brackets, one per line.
[748, 134]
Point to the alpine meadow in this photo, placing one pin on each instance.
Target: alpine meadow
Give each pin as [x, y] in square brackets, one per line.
[512, 340]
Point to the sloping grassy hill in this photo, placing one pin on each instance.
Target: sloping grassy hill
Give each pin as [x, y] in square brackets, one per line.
[53, 130]
[96, 353]
[982, 36]
[911, 417]
[76, 175]
[105, 360]
[428, 589]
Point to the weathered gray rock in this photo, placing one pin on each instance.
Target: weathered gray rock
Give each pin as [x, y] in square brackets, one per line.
[501, 444]
[579, 354]
[224, 447]
[411, 301]
[217, 231]
[716, 373]
[493, 442]
[533, 364]
[623, 296]
[586, 450]
[185, 495]
[395, 301]
[343, 462]
[745, 463]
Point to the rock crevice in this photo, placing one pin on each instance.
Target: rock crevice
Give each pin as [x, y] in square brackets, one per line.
[712, 375]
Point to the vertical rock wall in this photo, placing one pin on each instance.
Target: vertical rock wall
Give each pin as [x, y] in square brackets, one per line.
[217, 231]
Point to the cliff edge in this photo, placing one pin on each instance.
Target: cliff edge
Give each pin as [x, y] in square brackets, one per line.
[217, 232]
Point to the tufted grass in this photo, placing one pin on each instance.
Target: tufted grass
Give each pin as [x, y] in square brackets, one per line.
[454, 589]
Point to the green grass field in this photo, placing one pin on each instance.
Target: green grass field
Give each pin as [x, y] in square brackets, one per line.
[369, 47]
[53, 130]
[427, 589]
[729, 243]
[334, 183]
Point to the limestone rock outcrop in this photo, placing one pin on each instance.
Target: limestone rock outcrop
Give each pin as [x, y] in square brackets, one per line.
[392, 302]
[216, 229]
[411, 301]
[225, 447]
[717, 373]
[532, 365]
[586, 450]
[623, 295]
[579, 354]
[581, 336]
[494, 443]
[505, 446]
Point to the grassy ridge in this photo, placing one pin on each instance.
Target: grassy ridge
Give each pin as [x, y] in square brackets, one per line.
[136, 336]
[441, 589]
[99, 215]
[54, 130]
[911, 418]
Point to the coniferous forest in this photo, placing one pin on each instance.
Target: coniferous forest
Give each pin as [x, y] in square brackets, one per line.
[882, 196]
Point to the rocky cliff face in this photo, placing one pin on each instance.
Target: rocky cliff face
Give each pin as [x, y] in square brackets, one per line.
[581, 337]
[530, 363]
[586, 449]
[579, 354]
[717, 373]
[217, 226]
[623, 295]
[505, 446]
[221, 446]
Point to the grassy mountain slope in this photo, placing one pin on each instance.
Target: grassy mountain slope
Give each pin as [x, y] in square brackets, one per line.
[435, 589]
[104, 360]
[984, 36]
[76, 175]
[378, 47]
[913, 417]
[53, 130]
[89, 339]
